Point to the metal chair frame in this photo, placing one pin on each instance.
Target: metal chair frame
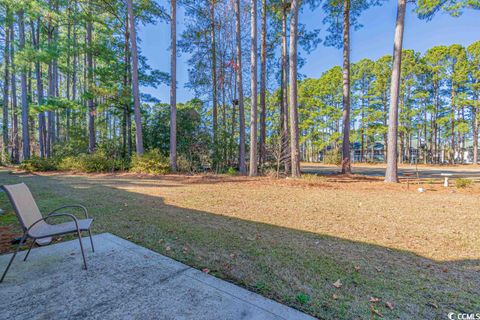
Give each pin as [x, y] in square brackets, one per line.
[52, 214]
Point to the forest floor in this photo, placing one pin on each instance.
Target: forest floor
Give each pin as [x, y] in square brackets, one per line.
[334, 246]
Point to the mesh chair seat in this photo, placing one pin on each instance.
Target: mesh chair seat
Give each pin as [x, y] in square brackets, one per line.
[43, 230]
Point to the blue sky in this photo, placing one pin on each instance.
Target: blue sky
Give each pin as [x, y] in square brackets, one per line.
[372, 41]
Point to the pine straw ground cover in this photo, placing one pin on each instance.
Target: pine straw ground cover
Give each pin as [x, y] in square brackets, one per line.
[335, 247]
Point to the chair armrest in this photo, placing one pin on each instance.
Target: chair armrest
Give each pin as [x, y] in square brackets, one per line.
[71, 206]
[55, 215]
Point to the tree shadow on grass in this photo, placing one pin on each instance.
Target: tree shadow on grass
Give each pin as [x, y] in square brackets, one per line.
[277, 262]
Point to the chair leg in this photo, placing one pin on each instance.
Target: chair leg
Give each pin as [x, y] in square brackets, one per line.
[13, 257]
[29, 249]
[91, 240]
[81, 248]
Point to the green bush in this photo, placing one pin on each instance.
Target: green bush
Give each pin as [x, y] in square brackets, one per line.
[70, 163]
[151, 162]
[462, 183]
[39, 164]
[332, 157]
[89, 163]
[232, 171]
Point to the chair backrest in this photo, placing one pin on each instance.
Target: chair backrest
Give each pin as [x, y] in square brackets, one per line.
[23, 203]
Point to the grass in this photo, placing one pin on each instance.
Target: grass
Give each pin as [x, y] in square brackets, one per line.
[336, 247]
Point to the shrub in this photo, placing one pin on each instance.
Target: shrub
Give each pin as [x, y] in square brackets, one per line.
[39, 164]
[89, 163]
[332, 157]
[70, 163]
[189, 164]
[184, 164]
[462, 183]
[151, 162]
[231, 171]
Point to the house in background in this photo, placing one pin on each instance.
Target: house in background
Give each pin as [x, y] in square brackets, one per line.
[374, 153]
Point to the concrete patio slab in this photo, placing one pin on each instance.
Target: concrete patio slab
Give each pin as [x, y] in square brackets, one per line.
[124, 281]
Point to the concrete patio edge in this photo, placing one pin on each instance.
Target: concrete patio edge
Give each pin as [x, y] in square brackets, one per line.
[231, 289]
[152, 273]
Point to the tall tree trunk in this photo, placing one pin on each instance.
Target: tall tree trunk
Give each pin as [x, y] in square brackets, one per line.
[452, 121]
[55, 114]
[284, 119]
[6, 59]
[173, 88]
[435, 126]
[475, 127]
[427, 146]
[263, 76]
[51, 94]
[346, 161]
[362, 132]
[129, 105]
[385, 123]
[15, 138]
[213, 48]
[241, 111]
[234, 120]
[391, 174]
[253, 88]
[38, 74]
[224, 109]
[294, 145]
[75, 63]
[126, 107]
[90, 101]
[68, 84]
[135, 85]
[25, 130]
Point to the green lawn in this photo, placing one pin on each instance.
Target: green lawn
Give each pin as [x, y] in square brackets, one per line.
[202, 223]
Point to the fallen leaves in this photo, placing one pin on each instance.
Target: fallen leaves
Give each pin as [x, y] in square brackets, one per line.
[337, 284]
[376, 312]
[373, 300]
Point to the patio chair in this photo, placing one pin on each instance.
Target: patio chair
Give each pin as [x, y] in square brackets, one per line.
[36, 227]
